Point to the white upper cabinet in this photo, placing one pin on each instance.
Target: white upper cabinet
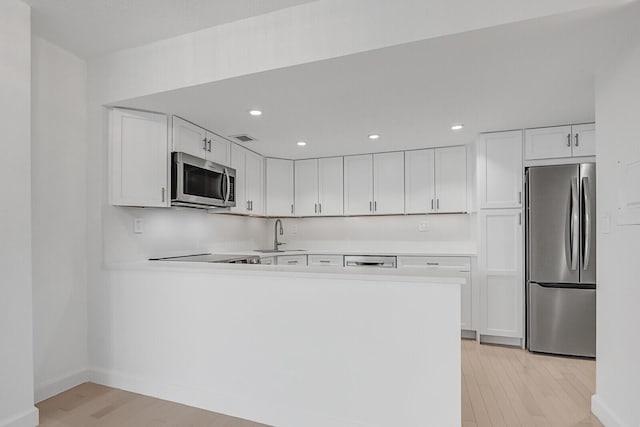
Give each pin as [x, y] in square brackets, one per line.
[189, 138]
[388, 183]
[420, 190]
[548, 143]
[306, 187]
[220, 149]
[358, 185]
[330, 186]
[500, 265]
[500, 170]
[192, 139]
[451, 179]
[139, 159]
[279, 187]
[249, 181]
[254, 182]
[319, 187]
[584, 140]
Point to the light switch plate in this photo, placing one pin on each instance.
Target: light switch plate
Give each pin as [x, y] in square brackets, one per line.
[138, 226]
[423, 227]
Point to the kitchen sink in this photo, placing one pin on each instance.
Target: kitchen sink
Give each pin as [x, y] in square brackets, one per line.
[273, 251]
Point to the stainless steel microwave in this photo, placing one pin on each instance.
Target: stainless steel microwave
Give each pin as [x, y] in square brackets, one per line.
[199, 183]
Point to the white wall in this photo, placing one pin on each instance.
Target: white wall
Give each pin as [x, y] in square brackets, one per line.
[59, 196]
[16, 336]
[618, 134]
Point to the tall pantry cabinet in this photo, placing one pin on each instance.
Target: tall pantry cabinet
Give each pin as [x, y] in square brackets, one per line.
[501, 236]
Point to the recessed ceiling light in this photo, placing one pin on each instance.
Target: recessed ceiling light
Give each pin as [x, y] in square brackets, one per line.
[302, 143]
[457, 126]
[255, 112]
[374, 136]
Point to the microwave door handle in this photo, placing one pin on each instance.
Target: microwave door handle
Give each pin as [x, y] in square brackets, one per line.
[228, 180]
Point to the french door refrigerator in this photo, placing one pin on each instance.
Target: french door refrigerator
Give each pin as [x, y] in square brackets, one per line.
[561, 259]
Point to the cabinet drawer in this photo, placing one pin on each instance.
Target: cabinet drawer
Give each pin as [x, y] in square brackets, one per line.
[332, 260]
[268, 260]
[292, 260]
[452, 264]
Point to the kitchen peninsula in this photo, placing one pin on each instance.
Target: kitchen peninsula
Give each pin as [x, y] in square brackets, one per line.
[286, 346]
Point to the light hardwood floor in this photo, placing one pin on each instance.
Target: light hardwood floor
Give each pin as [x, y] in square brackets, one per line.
[500, 387]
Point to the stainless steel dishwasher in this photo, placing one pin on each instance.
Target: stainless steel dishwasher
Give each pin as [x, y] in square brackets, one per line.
[370, 261]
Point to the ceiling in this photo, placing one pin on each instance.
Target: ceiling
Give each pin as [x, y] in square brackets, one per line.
[534, 73]
[110, 25]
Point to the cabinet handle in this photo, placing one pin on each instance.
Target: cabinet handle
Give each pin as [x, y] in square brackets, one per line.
[163, 191]
[577, 141]
[209, 142]
[319, 207]
[431, 204]
[251, 202]
[315, 208]
[204, 143]
[325, 261]
[437, 204]
[292, 262]
[568, 140]
[248, 205]
[519, 218]
[292, 209]
[370, 206]
[375, 206]
[519, 197]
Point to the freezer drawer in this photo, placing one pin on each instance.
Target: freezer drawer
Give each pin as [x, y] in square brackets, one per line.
[561, 320]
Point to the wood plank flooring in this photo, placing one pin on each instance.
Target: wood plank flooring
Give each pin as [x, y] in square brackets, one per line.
[501, 386]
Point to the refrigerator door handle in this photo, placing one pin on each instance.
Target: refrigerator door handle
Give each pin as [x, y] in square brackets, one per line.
[574, 223]
[586, 192]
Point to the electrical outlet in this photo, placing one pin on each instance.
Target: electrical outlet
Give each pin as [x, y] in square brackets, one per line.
[423, 227]
[138, 226]
[294, 229]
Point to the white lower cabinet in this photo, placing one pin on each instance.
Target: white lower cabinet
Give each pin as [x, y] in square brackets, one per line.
[270, 260]
[447, 267]
[138, 159]
[325, 260]
[500, 268]
[292, 260]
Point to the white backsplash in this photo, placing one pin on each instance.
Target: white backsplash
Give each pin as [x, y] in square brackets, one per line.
[180, 231]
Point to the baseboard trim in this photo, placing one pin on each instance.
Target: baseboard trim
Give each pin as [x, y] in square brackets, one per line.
[50, 388]
[490, 339]
[604, 413]
[28, 418]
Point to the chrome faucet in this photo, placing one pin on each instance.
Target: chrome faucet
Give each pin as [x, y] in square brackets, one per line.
[276, 244]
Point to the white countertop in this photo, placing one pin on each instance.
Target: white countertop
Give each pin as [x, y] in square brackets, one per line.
[325, 272]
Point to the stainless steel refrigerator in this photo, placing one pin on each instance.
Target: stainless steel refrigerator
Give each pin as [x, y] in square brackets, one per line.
[561, 259]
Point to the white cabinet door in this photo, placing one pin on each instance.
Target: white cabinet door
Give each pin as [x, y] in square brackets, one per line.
[292, 260]
[500, 262]
[500, 170]
[388, 183]
[306, 187]
[139, 159]
[419, 181]
[451, 179]
[218, 149]
[189, 138]
[254, 181]
[330, 186]
[325, 260]
[238, 163]
[358, 185]
[547, 143]
[584, 140]
[279, 187]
